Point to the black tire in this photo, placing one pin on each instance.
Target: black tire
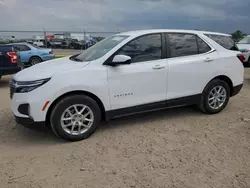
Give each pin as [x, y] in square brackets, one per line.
[35, 60]
[204, 104]
[62, 105]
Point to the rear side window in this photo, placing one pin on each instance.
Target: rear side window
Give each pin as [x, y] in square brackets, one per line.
[22, 48]
[182, 44]
[225, 41]
[202, 46]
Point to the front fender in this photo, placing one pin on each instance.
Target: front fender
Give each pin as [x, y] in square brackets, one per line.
[102, 95]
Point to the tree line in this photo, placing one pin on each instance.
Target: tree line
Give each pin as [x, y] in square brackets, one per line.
[238, 35]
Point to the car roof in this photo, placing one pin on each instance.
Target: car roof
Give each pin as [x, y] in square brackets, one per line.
[144, 32]
[22, 43]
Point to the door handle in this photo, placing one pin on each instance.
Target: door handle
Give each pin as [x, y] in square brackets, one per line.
[208, 60]
[158, 67]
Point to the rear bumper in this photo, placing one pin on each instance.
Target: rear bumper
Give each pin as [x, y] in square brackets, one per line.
[236, 90]
[8, 71]
[48, 57]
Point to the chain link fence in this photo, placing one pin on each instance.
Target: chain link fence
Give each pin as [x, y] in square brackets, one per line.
[55, 39]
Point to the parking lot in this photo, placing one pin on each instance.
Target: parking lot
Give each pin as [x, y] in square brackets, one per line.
[66, 51]
[178, 147]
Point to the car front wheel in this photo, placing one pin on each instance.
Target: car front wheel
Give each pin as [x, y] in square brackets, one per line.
[215, 97]
[75, 117]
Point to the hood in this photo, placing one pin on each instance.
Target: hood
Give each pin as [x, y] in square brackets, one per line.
[47, 69]
[244, 46]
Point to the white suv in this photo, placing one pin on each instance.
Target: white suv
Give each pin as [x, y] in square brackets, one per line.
[128, 73]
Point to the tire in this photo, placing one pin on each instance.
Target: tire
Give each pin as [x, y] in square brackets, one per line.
[60, 110]
[205, 103]
[0, 77]
[35, 60]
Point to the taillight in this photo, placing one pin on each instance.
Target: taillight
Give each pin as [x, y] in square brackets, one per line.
[51, 52]
[13, 57]
[241, 57]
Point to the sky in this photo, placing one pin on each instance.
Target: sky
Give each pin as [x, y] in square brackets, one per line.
[122, 15]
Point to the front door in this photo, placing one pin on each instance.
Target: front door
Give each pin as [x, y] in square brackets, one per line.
[144, 81]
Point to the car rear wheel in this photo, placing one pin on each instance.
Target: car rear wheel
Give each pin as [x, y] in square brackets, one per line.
[215, 97]
[75, 117]
[35, 60]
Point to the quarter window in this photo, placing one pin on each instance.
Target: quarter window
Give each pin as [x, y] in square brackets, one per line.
[203, 47]
[225, 41]
[145, 48]
[182, 44]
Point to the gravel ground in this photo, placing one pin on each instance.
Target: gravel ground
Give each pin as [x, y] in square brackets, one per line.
[175, 148]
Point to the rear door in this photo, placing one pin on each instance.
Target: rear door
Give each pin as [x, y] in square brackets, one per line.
[190, 65]
[24, 52]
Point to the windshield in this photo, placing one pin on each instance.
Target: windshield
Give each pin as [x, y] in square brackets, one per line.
[246, 40]
[101, 48]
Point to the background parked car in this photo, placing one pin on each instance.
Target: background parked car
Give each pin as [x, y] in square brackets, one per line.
[39, 42]
[31, 55]
[9, 59]
[66, 43]
[54, 43]
[244, 46]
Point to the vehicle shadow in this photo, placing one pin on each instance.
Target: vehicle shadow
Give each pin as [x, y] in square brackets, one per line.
[42, 135]
[142, 118]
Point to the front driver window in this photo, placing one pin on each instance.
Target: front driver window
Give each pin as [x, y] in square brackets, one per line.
[145, 48]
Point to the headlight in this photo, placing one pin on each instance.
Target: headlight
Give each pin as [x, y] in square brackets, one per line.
[24, 87]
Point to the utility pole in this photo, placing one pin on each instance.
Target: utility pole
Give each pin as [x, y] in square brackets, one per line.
[45, 39]
[84, 34]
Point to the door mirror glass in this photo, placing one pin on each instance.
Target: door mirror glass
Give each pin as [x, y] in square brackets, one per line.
[120, 60]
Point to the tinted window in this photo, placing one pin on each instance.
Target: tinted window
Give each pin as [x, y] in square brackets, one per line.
[182, 44]
[22, 48]
[145, 48]
[225, 41]
[203, 47]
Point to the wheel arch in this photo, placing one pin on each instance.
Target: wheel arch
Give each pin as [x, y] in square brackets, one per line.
[76, 92]
[226, 79]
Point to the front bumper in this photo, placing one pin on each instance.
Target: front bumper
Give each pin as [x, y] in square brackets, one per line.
[29, 123]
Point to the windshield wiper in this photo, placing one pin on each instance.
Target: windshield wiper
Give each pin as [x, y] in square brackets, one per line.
[74, 58]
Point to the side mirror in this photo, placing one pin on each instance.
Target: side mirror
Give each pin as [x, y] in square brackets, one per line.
[120, 60]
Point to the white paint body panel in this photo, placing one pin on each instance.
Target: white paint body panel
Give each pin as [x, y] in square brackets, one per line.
[142, 82]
